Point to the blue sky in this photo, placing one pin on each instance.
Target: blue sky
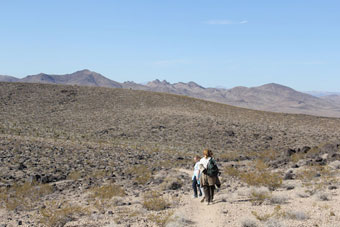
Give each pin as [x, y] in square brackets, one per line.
[214, 43]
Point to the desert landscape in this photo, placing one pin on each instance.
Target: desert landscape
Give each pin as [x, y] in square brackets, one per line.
[92, 156]
[268, 97]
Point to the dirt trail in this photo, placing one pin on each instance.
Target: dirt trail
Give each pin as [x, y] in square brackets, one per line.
[200, 214]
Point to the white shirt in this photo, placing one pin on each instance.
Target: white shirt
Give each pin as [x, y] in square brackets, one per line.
[196, 171]
[204, 161]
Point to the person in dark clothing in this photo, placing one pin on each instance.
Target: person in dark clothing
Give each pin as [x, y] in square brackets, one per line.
[208, 182]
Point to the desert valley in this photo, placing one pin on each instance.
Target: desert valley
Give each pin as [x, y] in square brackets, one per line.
[75, 155]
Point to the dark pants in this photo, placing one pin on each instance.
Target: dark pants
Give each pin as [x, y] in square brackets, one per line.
[209, 193]
[195, 185]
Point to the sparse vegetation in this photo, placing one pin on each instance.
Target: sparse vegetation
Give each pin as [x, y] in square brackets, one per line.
[249, 223]
[141, 173]
[23, 196]
[58, 213]
[258, 195]
[75, 175]
[154, 201]
[278, 199]
[261, 176]
[97, 141]
[162, 218]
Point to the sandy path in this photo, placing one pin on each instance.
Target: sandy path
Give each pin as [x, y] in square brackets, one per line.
[200, 214]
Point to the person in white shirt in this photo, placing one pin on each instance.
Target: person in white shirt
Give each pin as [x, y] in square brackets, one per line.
[196, 178]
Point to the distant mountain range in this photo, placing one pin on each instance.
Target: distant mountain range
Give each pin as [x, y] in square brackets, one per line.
[268, 97]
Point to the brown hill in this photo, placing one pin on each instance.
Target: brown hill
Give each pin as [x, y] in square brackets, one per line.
[98, 113]
[81, 78]
[8, 79]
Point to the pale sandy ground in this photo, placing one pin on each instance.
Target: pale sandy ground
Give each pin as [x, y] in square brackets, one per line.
[232, 209]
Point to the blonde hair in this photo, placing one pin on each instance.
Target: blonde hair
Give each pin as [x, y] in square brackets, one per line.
[207, 153]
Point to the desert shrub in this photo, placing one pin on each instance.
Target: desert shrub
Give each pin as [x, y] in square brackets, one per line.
[107, 191]
[297, 215]
[258, 195]
[313, 152]
[98, 174]
[24, 196]
[75, 175]
[154, 201]
[278, 199]
[297, 157]
[262, 178]
[304, 193]
[277, 213]
[248, 223]
[268, 155]
[335, 164]
[101, 196]
[273, 223]
[57, 214]
[171, 183]
[323, 196]
[141, 173]
[317, 178]
[229, 156]
[263, 217]
[231, 171]
[161, 219]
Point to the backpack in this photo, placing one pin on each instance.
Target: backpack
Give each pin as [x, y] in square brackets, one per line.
[212, 169]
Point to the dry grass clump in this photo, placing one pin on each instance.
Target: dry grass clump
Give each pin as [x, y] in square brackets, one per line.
[231, 171]
[258, 195]
[23, 197]
[268, 155]
[297, 157]
[279, 213]
[248, 223]
[161, 219]
[278, 199]
[323, 196]
[107, 191]
[74, 175]
[297, 215]
[154, 201]
[141, 173]
[335, 164]
[273, 223]
[101, 196]
[230, 156]
[57, 214]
